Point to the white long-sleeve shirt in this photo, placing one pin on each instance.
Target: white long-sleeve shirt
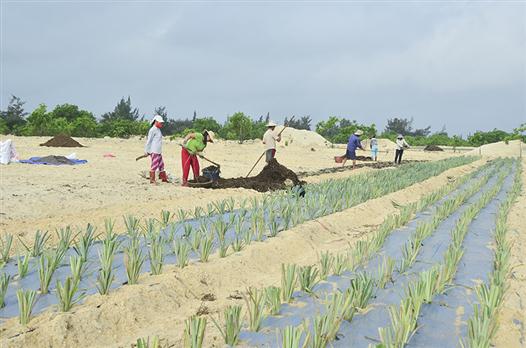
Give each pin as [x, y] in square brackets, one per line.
[269, 139]
[401, 143]
[154, 143]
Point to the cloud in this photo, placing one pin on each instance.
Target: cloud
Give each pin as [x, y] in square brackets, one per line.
[436, 63]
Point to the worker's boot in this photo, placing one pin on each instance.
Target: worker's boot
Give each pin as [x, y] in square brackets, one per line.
[152, 177]
[163, 177]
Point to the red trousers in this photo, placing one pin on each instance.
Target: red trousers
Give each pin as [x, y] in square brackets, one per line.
[188, 161]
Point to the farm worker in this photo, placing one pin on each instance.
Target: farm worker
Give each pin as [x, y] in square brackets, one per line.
[269, 139]
[193, 144]
[153, 148]
[374, 147]
[401, 144]
[354, 143]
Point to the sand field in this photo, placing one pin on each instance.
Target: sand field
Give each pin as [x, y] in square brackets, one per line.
[38, 197]
[48, 197]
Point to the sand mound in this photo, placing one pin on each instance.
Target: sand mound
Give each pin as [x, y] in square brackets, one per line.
[433, 148]
[62, 140]
[272, 177]
[302, 138]
[512, 149]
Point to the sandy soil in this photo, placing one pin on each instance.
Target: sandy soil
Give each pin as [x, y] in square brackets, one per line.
[512, 316]
[47, 197]
[513, 148]
[160, 304]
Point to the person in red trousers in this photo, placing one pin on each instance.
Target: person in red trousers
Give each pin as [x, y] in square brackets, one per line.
[193, 144]
[153, 148]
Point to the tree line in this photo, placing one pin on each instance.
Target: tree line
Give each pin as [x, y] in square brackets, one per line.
[125, 121]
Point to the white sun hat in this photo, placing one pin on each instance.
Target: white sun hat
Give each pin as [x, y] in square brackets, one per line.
[157, 118]
[358, 132]
[272, 124]
[211, 135]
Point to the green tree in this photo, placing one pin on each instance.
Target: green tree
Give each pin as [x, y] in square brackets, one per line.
[14, 117]
[206, 123]
[301, 123]
[38, 123]
[405, 127]
[121, 128]
[3, 127]
[123, 111]
[480, 138]
[161, 111]
[59, 126]
[69, 112]
[329, 128]
[259, 127]
[238, 127]
[84, 126]
[338, 130]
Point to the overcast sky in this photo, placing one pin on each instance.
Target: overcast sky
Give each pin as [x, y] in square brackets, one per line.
[461, 64]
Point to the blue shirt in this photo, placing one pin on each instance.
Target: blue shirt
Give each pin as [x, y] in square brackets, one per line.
[354, 143]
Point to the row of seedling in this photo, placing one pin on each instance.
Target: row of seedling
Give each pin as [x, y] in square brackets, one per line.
[294, 211]
[411, 249]
[325, 327]
[482, 326]
[326, 198]
[433, 281]
[340, 306]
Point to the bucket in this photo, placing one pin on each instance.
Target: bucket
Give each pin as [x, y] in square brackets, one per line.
[338, 159]
[211, 173]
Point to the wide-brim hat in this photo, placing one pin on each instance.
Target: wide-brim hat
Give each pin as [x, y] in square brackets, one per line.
[211, 135]
[272, 124]
[358, 132]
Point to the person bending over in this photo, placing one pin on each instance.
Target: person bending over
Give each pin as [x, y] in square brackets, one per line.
[354, 143]
[193, 144]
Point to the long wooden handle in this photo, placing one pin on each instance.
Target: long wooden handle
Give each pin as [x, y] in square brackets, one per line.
[206, 159]
[255, 164]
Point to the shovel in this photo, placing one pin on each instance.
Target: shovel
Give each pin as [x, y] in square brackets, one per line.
[206, 159]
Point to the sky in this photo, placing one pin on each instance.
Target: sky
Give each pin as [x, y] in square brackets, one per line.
[458, 64]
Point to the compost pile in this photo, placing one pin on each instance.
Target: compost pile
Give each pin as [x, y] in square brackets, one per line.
[272, 177]
[339, 169]
[62, 140]
[56, 160]
[433, 148]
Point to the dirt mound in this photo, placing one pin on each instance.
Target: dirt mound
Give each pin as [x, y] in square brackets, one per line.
[272, 177]
[62, 140]
[433, 148]
[374, 165]
[57, 160]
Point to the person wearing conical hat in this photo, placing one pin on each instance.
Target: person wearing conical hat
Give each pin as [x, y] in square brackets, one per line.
[153, 148]
[354, 143]
[269, 140]
[401, 144]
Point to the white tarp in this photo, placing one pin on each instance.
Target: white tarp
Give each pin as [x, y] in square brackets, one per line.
[7, 152]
